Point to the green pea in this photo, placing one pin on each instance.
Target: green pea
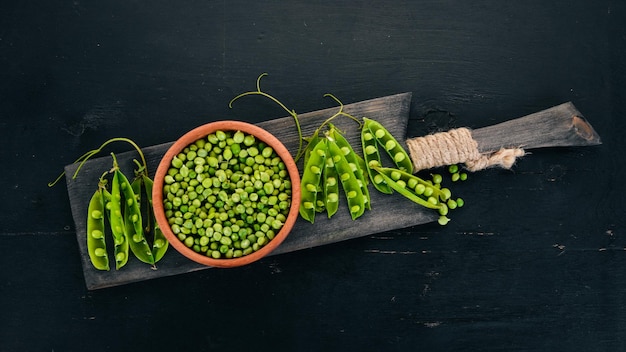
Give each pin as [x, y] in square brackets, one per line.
[239, 137]
[177, 163]
[267, 152]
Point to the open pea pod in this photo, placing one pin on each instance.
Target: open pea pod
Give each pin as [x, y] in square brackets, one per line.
[408, 193]
[330, 188]
[116, 222]
[349, 181]
[96, 242]
[311, 180]
[132, 218]
[372, 159]
[389, 143]
[415, 184]
[355, 162]
[159, 242]
[311, 143]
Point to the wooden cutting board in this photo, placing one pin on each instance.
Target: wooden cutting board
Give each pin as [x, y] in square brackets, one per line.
[388, 211]
[559, 126]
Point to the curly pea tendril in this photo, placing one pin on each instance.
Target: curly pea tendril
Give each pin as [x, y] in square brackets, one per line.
[83, 158]
[319, 173]
[293, 113]
[301, 152]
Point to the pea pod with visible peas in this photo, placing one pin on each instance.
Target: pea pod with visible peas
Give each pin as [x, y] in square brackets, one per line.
[426, 193]
[96, 243]
[401, 188]
[330, 188]
[416, 184]
[350, 183]
[116, 222]
[131, 216]
[159, 242]
[371, 155]
[354, 161]
[133, 219]
[385, 139]
[311, 180]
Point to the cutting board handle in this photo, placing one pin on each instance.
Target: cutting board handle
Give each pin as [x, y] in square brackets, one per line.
[560, 126]
[501, 144]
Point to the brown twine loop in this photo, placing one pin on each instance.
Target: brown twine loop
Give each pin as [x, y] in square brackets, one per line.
[454, 147]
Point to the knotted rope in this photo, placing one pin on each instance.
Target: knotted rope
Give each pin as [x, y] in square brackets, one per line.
[454, 147]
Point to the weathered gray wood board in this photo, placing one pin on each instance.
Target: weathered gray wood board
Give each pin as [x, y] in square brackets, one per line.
[562, 125]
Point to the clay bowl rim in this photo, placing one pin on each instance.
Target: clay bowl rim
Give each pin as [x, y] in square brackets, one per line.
[199, 133]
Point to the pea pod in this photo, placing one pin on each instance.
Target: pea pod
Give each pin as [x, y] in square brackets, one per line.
[311, 143]
[407, 193]
[351, 187]
[159, 242]
[354, 161]
[132, 217]
[420, 187]
[96, 243]
[311, 180]
[372, 159]
[385, 139]
[116, 222]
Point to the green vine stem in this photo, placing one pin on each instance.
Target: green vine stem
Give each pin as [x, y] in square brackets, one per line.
[93, 152]
[339, 113]
[290, 112]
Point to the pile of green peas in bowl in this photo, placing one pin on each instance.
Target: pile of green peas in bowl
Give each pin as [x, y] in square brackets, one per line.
[227, 194]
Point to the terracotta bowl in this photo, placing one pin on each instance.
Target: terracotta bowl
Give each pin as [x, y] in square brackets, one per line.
[202, 132]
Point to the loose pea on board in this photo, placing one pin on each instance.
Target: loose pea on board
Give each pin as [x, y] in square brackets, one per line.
[311, 180]
[96, 243]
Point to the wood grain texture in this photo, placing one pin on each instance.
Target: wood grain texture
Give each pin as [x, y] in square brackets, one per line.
[562, 125]
[388, 211]
[559, 126]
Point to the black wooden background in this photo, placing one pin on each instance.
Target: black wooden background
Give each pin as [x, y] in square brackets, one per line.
[536, 261]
